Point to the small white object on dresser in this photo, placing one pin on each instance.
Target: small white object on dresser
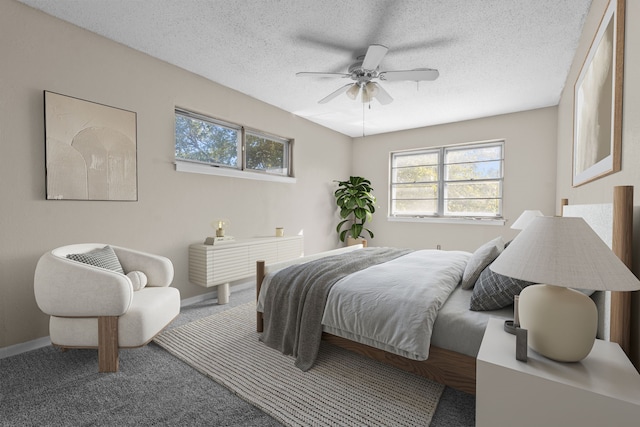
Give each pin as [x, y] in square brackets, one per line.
[224, 262]
[601, 390]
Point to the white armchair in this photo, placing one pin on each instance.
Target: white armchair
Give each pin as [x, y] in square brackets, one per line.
[96, 307]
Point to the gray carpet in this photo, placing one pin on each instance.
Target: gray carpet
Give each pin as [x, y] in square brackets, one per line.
[47, 387]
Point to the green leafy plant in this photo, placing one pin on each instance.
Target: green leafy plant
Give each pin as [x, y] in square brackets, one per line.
[357, 204]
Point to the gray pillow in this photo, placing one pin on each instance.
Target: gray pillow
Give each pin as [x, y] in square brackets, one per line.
[103, 258]
[481, 258]
[494, 291]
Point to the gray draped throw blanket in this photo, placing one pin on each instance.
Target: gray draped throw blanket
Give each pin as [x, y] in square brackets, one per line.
[295, 299]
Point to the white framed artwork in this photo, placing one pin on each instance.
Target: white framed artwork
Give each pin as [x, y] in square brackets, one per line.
[91, 150]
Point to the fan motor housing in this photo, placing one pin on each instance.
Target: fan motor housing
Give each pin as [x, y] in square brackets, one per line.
[360, 74]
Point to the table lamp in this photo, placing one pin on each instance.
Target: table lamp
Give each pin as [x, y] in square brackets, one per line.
[562, 254]
[525, 219]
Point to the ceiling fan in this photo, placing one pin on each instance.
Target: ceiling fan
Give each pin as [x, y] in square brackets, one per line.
[365, 71]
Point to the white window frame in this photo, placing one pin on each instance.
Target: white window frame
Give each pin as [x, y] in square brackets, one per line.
[439, 216]
[241, 170]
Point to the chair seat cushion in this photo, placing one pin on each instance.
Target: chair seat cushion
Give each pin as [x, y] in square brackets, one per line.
[151, 310]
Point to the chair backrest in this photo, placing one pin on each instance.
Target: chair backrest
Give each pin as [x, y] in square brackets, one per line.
[67, 288]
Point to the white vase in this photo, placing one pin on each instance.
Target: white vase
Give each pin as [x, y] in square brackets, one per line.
[561, 323]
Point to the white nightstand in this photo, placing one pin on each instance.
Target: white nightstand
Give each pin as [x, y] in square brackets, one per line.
[601, 390]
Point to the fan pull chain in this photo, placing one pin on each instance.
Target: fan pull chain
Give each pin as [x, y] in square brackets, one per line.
[363, 119]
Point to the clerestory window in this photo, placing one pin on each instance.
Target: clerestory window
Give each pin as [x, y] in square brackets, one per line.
[212, 142]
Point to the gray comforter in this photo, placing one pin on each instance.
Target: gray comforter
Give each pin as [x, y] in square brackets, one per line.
[394, 306]
[295, 300]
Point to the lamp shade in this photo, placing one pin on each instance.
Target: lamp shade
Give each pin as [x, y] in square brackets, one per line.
[525, 219]
[565, 252]
[353, 91]
[369, 91]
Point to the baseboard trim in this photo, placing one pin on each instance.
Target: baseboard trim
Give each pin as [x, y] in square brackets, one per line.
[16, 349]
[24, 347]
[198, 298]
[214, 294]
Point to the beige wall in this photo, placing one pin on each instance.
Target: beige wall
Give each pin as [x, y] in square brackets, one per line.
[529, 176]
[600, 191]
[38, 52]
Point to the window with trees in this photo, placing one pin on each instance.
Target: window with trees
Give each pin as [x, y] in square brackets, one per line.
[213, 142]
[462, 181]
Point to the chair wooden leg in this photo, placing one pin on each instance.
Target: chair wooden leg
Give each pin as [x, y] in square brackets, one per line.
[108, 344]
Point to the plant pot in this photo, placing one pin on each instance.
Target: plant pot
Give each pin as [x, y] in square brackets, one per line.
[351, 241]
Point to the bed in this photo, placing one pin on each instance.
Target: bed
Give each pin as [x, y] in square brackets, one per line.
[457, 331]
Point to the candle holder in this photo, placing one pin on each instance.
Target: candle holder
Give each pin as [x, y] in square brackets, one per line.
[220, 225]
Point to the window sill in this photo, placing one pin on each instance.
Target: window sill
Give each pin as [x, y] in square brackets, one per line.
[233, 173]
[440, 220]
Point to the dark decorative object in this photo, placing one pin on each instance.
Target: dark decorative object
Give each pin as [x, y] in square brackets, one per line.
[521, 344]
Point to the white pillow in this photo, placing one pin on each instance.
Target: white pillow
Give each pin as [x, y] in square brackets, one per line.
[481, 258]
[138, 279]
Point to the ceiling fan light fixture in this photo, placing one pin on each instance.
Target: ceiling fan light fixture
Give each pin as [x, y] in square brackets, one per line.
[370, 91]
[353, 91]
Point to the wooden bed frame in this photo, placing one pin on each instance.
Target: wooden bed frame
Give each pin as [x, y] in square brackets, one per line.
[457, 370]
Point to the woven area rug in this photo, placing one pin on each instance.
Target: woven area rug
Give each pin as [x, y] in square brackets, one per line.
[342, 389]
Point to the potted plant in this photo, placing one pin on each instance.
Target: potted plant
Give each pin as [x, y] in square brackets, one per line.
[357, 204]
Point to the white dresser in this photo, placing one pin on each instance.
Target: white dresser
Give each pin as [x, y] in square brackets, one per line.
[224, 262]
[601, 390]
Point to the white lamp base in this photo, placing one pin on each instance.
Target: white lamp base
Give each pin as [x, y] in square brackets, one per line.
[561, 323]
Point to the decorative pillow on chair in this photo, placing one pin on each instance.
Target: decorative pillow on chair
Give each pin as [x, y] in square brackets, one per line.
[138, 279]
[103, 258]
[494, 291]
[481, 258]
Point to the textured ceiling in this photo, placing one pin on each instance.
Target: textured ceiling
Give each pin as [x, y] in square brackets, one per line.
[494, 56]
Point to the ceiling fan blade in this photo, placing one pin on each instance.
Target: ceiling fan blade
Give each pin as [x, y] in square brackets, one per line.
[382, 95]
[411, 75]
[314, 74]
[374, 55]
[336, 93]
